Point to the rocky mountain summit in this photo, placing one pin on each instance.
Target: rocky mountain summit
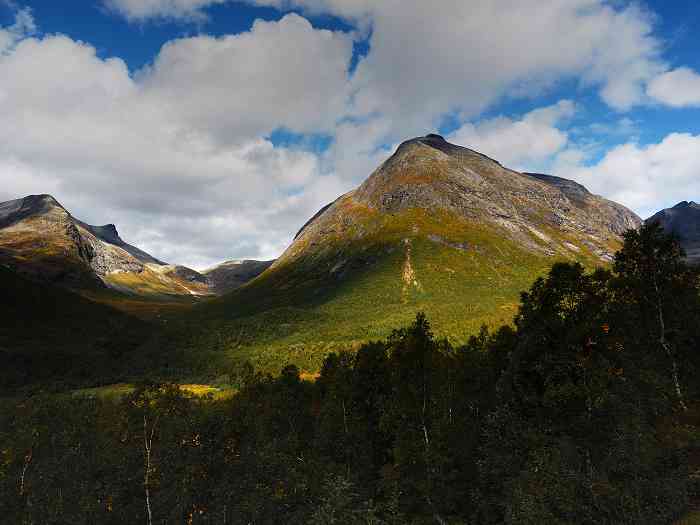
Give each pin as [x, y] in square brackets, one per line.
[41, 239]
[542, 213]
[683, 220]
[436, 228]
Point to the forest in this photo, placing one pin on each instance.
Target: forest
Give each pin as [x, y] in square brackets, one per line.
[585, 410]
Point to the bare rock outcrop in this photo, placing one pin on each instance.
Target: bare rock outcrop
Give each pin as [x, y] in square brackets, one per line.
[544, 214]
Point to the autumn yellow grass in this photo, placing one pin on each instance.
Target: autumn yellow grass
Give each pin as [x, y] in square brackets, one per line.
[118, 390]
[692, 518]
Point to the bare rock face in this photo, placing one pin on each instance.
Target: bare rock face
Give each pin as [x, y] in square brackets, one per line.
[543, 214]
[122, 256]
[614, 216]
[683, 220]
[41, 239]
[42, 221]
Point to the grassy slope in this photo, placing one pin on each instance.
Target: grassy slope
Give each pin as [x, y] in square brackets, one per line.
[156, 286]
[299, 312]
[54, 337]
[147, 308]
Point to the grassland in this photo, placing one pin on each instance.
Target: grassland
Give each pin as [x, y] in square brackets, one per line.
[118, 390]
[354, 289]
[357, 285]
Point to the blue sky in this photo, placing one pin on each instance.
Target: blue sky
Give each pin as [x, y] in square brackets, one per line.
[212, 129]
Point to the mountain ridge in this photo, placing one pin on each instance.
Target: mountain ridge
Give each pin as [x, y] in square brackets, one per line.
[398, 184]
[230, 275]
[436, 228]
[41, 239]
[683, 220]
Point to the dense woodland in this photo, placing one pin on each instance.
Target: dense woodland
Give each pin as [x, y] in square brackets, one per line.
[585, 410]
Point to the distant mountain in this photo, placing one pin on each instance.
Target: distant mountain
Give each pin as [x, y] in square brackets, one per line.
[438, 228]
[683, 220]
[228, 276]
[40, 239]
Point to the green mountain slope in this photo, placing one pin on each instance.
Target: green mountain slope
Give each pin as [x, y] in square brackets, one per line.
[437, 228]
[55, 338]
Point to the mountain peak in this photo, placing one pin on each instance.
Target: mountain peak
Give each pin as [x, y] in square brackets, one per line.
[428, 175]
[686, 204]
[439, 143]
[19, 209]
[107, 233]
[42, 198]
[683, 220]
[428, 172]
[37, 204]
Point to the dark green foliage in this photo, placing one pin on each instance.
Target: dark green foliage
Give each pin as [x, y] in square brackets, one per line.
[573, 416]
[50, 337]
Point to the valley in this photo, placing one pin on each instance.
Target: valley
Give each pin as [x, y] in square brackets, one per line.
[444, 281]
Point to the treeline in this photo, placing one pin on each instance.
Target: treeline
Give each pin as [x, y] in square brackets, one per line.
[585, 411]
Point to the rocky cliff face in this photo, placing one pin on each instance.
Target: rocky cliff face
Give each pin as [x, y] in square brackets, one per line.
[39, 221]
[684, 221]
[41, 239]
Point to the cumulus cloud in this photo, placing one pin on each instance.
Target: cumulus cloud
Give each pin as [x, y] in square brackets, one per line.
[279, 74]
[22, 27]
[154, 158]
[521, 144]
[141, 10]
[644, 178]
[463, 56]
[678, 88]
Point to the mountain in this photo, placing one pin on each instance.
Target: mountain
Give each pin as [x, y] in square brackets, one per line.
[438, 228]
[683, 220]
[230, 275]
[40, 239]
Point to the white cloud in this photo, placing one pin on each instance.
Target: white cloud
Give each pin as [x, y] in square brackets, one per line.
[437, 57]
[182, 169]
[427, 59]
[141, 10]
[644, 178]
[22, 27]
[355, 155]
[279, 74]
[521, 144]
[623, 127]
[678, 88]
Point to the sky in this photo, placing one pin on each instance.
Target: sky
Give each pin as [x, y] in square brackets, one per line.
[210, 130]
